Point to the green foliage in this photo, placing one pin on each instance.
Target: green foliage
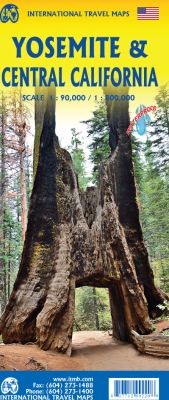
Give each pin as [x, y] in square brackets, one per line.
[151, 165]
[29, 174]
[154, 207]
[98, 131]
[153, 197]
[11, 245]
[92, 309]
[137, 149]
[78, 158]
[151, 169]
[11, 118]
[160, 134]
[166, 332]
[160, 268]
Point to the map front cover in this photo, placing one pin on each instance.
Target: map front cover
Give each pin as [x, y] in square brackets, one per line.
[84, 165]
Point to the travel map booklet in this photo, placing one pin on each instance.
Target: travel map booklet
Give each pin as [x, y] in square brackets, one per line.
[84, 200]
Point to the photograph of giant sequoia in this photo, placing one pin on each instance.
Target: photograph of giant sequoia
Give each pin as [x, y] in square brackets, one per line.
[84, 257]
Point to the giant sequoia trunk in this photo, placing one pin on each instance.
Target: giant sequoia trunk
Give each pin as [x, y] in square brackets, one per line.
[74, 240]
[124, 189]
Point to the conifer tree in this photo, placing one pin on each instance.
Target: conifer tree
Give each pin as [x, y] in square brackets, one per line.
[78, 157]
[159, 135]
[98, 132]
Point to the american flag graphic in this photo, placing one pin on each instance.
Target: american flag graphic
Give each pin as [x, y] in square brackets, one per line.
[145, 13]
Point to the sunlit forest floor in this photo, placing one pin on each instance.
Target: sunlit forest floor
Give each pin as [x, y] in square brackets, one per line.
[94, 350]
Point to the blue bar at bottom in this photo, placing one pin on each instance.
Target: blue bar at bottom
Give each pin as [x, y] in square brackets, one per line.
[84, 385]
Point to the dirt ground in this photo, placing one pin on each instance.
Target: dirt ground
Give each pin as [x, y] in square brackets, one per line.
[91, 351]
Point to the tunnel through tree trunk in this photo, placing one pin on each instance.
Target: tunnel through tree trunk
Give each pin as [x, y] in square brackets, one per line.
[63, 250]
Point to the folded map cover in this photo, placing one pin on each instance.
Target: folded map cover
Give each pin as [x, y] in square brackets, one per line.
[84, 200]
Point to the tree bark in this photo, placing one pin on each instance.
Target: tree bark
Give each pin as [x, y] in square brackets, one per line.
[67, 247]
[2, 207]
[124, 189]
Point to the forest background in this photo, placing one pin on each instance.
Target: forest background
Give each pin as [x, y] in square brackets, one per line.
[151, 166]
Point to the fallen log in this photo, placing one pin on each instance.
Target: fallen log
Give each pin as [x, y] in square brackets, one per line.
[148, 344]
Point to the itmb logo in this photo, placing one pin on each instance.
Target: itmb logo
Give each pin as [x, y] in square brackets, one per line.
[9, 385]
[9, 13]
